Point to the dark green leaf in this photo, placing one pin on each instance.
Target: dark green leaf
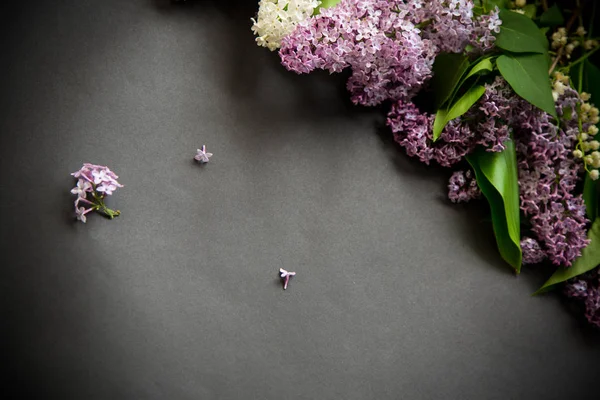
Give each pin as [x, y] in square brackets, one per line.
[529, 10]
[589, 259]
[489, 5]
[590, 197]
[448, 68]
[520, 34]
[527, 74]
[591, 81]
[552, 17]
[457, 109]
[496, 175]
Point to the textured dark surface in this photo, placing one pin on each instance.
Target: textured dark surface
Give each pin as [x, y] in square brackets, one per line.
[398, 294]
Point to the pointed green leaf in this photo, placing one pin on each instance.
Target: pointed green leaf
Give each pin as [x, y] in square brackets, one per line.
[520, 34]
[448, 68]
[552, 17]
[527, 74]
[497, 178]
[589, 259]
[461, 106]
[480, 68]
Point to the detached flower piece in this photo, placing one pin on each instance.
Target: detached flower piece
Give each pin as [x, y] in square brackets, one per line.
[202, 155]
[285, 275]
[94, 183]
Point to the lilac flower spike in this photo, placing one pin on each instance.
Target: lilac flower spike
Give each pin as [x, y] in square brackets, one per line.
[202, 155]
[285, 275]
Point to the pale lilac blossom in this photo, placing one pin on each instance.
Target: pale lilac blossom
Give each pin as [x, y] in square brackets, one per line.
[82, 188]
[202, 155]
[94, 183]
[285, 275]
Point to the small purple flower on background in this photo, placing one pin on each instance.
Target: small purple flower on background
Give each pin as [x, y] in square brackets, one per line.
[94, 183]
[202, 155]
[285, 275]
[80, 212]
[82, 188]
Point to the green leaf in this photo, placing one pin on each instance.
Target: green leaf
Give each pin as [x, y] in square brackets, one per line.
[461, 106]
[496, 175]
[489, 5]
[480, 67]
[326, 4]
[552, 17]
[590, 197]
[529, 11]
[589, 259]
[527, 74]
[448, 68]
[520, 34]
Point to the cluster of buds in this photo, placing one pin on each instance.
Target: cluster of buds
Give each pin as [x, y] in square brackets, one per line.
[561, 39]
[94, 183]
[588, 146]
[560, 84]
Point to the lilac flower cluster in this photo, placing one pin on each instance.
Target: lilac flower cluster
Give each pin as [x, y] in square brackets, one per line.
[548, 173]
[389, 45]
[586, 288]
[463, 187]
[482, 125]
[94, 183]
[548, 170]
[452, 26]
[532, 252]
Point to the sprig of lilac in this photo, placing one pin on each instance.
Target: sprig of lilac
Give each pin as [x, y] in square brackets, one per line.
[586, 288]
[548, 174]
[94, 183]
[462, 187]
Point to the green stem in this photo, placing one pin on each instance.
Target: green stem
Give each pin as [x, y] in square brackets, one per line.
[582, 58]
[580, 83]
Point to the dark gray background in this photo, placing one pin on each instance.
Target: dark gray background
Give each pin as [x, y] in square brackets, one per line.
[399, 294]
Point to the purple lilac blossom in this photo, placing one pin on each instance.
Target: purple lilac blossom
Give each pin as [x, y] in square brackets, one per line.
[548, 173]
[97, 181]
[380, 41]
[462, 187]
[586, 288]
[202, 155]
[532, 252]
[482, 125]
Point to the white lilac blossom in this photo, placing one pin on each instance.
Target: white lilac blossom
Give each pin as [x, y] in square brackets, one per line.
[278, 18]
[285, 275]
[389, 45]
[94, 183]
[202, 155]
